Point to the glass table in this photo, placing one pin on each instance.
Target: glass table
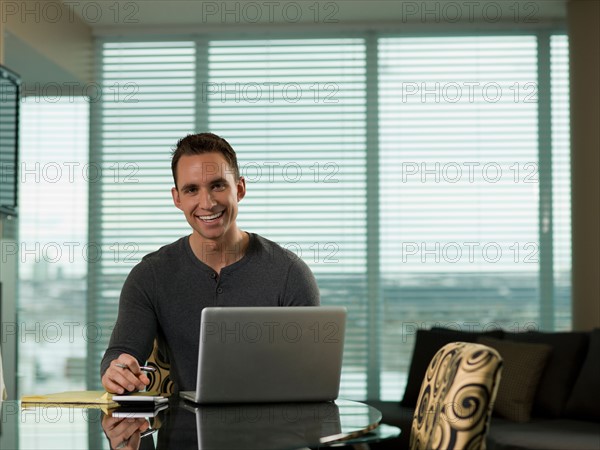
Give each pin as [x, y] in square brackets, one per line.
[184, 425]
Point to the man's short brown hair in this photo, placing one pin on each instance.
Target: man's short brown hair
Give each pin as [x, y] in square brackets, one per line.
[197, 144]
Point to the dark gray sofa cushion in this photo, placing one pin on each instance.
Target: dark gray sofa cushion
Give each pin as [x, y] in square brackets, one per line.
[538, 434]
[524, 364]
[584, 402]
[427, 343]
[562, 368]
[543, 434]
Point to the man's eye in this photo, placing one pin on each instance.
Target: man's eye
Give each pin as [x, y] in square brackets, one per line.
[191, 190]
[219, 186]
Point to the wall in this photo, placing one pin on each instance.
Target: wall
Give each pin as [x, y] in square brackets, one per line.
[45, 42]
[584, 44]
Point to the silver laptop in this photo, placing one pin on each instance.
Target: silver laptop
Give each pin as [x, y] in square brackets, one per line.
[269, 354]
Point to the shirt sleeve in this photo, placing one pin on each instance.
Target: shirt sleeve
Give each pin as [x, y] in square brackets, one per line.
[136, 325]
[301, 286]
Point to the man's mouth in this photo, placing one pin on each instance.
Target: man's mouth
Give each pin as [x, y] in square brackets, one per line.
[211, 217]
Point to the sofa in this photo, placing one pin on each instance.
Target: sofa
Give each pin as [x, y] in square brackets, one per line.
[548, 397]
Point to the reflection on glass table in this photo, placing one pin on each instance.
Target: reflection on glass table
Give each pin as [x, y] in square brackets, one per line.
[265, 426]
[185, 425]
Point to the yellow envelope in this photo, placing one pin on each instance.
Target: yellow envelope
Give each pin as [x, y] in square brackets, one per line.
[72, 398]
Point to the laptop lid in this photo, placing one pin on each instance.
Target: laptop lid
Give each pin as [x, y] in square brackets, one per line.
[269, 354]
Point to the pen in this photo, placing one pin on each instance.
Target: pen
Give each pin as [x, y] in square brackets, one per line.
[144, 368]
[148, 432]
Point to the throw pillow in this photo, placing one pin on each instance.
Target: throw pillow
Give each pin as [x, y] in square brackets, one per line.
[583, 402]
[427, 343]
[523, 367]
[563, 366]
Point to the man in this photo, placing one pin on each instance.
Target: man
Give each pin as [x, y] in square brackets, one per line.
[217, 265]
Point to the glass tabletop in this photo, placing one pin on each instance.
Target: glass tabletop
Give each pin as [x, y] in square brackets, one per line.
[184, 425]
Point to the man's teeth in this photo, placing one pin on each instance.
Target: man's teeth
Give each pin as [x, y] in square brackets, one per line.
[214, 216]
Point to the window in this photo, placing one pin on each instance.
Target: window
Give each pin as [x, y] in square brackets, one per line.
[294, 112]
[404, 170]
[459, 187]
[53, 247]
[149, 103]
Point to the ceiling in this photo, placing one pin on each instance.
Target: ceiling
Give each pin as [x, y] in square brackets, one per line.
[126, 14]
[43, 58]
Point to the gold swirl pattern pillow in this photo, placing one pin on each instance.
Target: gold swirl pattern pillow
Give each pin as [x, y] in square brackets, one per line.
[160, 381]
[457, 394]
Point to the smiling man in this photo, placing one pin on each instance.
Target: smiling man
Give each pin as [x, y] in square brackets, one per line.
[217, 265]
[208, 190]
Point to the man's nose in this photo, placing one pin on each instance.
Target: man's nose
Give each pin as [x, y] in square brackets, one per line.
[206, 200]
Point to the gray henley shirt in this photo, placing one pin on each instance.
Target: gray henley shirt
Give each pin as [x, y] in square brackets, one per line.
[164, 295]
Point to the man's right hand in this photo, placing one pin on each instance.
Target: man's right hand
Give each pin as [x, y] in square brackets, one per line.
[129, 378]
[124, 434]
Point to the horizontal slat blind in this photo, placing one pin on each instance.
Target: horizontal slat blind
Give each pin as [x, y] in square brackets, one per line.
[148, 104]
[53, 198]
[294, 111]
[459, 187]
[8, 141]
[458, 150]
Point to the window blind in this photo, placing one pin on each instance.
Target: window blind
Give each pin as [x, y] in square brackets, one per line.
[439, 135]
[52, 243]
[148, 102]
[561, 178]
[278, 103]
[9, 110]
[294, 110]
[459, 188]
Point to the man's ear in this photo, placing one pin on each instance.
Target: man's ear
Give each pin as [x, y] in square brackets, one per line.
[176, 199]
[241, 189]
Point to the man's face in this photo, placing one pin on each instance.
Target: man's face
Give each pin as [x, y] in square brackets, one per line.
[208, 195]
